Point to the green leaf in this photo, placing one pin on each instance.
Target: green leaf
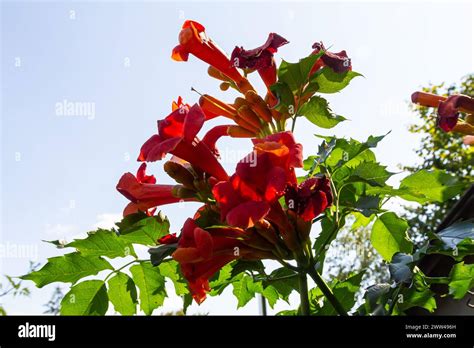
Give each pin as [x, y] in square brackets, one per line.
[285, 286]
[123, 294]
[462, 280]
[146, 231]
[86, 298]
[187, 301]
[271, 294]
[171, 270]
[370, 172]
[244, 265]
[389, 236]
[400, 268]
[345, 293]
[296, 75]
[151, 285]
[328, 233]
[68, 268]
[456, 233]
[430, 186]
[332, 82]
[317, 111]
[286, 99]
[374, 294]
[103, 243]
[220, 280]
[349, 153]
[245, 290]
[418, 295]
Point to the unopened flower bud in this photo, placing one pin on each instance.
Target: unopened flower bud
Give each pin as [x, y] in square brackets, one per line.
[182, 192]
[180, 174]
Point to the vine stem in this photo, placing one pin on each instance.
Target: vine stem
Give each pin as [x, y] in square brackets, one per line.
[304, 298]
[326, 290]
[122, 267]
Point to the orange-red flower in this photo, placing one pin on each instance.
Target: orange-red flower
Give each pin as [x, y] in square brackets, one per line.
[260, 179]
[202, 253]
[143, 193]
[193, 40]
[177, 135]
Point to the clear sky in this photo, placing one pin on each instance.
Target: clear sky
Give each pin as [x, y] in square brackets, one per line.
[58, 172]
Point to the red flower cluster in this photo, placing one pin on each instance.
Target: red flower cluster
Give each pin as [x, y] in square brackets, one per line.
[253, 223]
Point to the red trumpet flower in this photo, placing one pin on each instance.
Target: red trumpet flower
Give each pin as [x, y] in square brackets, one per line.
[193, 40]
[448, 110]
[310, 198]
[260, 58]
[338, 62]
[260, 179]
[143, 193]
[177, 135]
[201, 254]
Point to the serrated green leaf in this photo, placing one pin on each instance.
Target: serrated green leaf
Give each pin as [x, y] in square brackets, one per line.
[123, 294]
[462, 280]
[418, 295]
[271, 294]
[244, 265]
[86, 298]
[389, 236]
[284, 281]
[245, 290]
[331, 82]
[370, 172]
[317, 111]
[68, 268]
[345, 293]
[296, 75]
[171, 270]
[146, 231]
[220, 280]
[151, 284]
[103, 243]
[430, 186]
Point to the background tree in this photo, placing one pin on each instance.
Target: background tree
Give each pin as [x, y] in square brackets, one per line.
[439, 150]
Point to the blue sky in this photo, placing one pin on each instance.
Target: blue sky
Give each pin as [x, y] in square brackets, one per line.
[58, 173]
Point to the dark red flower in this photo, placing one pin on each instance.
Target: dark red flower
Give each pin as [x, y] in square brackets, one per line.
[338, 62]
[310, 198]
[448, 110]
[177, 135]
[143, 193]
[260, 58]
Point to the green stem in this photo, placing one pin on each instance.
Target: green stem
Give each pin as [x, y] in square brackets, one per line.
[121, 268]
[327, 292]
[303, 283]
